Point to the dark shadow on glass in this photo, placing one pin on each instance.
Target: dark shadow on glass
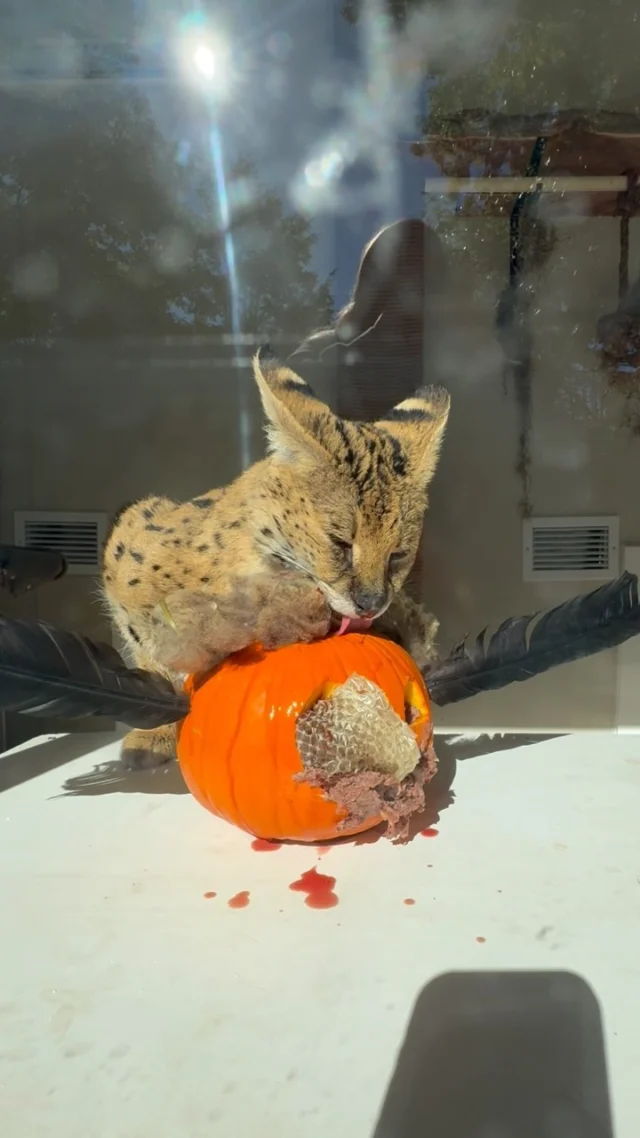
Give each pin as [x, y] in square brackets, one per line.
[22, 569]
[501, 1055]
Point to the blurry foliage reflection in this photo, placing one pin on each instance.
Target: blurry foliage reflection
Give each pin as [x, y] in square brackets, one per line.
[518, 58]
[105, 229]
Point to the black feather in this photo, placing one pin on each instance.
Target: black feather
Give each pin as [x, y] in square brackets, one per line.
[44, 671]
[579, 627]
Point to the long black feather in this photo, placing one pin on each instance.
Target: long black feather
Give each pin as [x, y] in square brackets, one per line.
[579, 627]
[44, 671]
[47, 672]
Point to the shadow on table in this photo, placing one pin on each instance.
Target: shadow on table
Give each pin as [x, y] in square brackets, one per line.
[111, 778]
[501, 1055]
[464, 747]
[32, 761]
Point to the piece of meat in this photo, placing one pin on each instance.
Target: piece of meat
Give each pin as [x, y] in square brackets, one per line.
[367, 793]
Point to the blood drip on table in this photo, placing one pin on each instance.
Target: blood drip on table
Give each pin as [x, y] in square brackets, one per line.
[263, 845]
[318, 887]
[240, 901]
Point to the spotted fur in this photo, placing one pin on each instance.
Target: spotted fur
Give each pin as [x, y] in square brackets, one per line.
[329, 522]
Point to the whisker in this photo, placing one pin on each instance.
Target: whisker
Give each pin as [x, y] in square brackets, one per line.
[350, 343]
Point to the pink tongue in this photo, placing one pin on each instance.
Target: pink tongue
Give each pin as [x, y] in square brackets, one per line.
[354, 624]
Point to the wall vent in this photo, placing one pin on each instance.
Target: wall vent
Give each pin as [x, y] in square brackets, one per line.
[570, 549]
[78, 537]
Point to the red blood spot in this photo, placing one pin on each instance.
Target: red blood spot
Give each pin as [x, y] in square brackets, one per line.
[209, 894]
[262, 845]
[318, 887]
[409, 901]
[240, 901]
[481, 939]
[430, 832]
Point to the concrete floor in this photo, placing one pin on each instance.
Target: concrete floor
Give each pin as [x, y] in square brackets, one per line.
[132, 1004]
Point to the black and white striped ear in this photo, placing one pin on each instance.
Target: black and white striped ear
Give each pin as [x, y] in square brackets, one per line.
[418, 424]
[296, 417]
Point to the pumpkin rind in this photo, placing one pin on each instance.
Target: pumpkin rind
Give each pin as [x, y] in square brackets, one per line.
[237, 747]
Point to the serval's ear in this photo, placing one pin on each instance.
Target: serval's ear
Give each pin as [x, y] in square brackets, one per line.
[418, 424]
[297, 420]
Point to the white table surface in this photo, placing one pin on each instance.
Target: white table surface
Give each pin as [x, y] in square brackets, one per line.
[133, 1007]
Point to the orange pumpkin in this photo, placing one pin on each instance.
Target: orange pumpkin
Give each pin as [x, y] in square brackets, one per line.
[237, 747]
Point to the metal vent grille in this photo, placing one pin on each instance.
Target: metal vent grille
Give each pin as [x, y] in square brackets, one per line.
[78, 537]
[570, 549]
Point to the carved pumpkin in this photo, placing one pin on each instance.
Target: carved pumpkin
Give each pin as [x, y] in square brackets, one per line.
[238, 747]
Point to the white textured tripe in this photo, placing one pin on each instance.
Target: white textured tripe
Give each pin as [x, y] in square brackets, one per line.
[354, 729]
